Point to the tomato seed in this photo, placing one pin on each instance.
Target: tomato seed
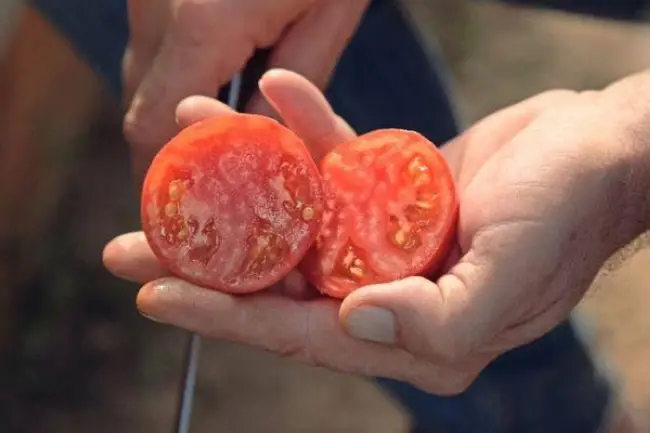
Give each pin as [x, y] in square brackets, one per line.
[419, 171]
[175, 190]
[171, 209]
[356, 272]
[349, 258]
[308, 213]
[422, 179]
[400, 237]
[182, 234]
[265, 252]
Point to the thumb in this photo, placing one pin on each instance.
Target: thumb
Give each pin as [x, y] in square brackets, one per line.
[416, 315]
[199, 52]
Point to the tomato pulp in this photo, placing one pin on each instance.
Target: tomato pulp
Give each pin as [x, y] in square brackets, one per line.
[232, 203]
[390, 212]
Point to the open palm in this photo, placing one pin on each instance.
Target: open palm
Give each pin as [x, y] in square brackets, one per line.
[533, 185]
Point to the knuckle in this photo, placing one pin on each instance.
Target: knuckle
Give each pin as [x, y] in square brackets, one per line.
[557, 94]
[288, 350]
[589, 94]
[191, 12]
[443, 354]
[433, 334]
[451, 352]
[416, 281]
[552, 98]
[300, 346]
[456, 384]
[299, 351]
[196, 22]
[131, 127]
[447, 347]
[439, 339]
[447, 384]
[137, 128]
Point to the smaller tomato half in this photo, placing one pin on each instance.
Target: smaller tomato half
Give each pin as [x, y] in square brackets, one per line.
[390, 212]
[232, 203]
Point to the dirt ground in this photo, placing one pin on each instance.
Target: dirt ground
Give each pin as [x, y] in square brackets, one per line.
[499, 55]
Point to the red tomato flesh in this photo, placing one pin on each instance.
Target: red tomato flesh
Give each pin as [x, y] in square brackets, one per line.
[390, 212]
[232, 203]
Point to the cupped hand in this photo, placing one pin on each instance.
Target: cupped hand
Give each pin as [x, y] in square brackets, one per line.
[543, 204]
[179, 48]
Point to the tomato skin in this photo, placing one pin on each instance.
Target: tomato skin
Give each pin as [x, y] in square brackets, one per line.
[232, 203]
[391, 210]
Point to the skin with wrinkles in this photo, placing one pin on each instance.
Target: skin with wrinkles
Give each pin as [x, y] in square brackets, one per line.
[179, 48]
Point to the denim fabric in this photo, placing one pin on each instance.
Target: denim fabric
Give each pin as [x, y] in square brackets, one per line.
[385, 79]
[550, 386]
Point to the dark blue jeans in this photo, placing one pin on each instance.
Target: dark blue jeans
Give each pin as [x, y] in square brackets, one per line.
[386, 79]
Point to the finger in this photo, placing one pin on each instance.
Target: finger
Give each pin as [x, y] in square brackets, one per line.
[313, 45]
[296, 99]
[147, 23]
[466, 310]
[304, 109]
[495, 130]
[423, 319]
[196, 108]
[456, 322]
[308, 331]
[129, 256]
[295, 286]
[197, 56]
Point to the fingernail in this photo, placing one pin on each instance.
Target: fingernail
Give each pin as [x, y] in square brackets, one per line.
[153, 319]
[372, 324]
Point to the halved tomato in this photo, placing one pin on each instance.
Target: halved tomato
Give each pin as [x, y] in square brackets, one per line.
[232, 203]
[390, 212]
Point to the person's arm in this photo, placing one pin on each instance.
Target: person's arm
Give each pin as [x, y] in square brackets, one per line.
[624, 10]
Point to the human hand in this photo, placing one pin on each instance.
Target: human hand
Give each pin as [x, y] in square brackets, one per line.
[179, 48]
[547, 194]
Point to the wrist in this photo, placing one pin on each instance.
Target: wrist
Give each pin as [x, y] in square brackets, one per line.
[628, 101]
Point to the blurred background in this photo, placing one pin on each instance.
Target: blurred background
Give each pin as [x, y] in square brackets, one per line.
[77, 357]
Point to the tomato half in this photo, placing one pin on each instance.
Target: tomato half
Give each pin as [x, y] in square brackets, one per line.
[390, 212]
[232, 203]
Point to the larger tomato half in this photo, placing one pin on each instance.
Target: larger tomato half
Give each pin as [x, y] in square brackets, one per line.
[232, 203]
[390, 212]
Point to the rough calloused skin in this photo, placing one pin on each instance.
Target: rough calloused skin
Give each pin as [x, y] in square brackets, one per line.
[390, 212]
[232, 203]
